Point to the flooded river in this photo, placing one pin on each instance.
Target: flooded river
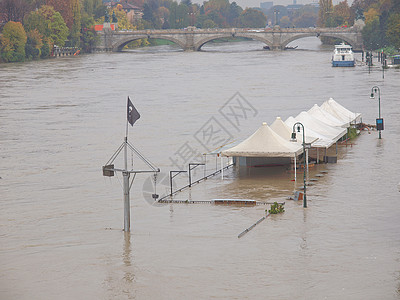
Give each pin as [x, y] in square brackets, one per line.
[61, 221]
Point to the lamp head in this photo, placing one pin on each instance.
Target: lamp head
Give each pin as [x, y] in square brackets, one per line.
[298, 128]
[293, 139]
[372, 95]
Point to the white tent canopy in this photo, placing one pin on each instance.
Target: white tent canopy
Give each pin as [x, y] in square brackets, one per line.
[285, 131]
[333, 133]
[264, 143]
[321, 142]
[327, 117]
[340, 112]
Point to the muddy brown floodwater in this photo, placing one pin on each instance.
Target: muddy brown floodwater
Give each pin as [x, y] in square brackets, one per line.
[61, 220]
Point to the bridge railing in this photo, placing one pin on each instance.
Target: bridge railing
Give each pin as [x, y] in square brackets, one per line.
[240, 30]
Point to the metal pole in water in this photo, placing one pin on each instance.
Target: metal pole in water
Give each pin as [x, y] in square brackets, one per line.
[127, 213]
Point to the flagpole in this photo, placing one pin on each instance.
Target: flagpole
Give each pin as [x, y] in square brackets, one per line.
[109, 170]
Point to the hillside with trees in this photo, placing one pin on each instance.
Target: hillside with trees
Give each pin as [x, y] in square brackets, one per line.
[30, 29]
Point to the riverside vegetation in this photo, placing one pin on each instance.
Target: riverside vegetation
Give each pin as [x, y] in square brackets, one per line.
[31, 28]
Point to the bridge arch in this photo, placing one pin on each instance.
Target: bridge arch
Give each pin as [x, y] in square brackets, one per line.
[334, 35]
[118, 46]
[347, 39]
[201, 42]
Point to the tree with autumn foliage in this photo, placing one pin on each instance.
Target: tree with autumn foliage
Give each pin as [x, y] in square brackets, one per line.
[12, 42]
[252, 18]
[13, 10]
[71, 13]
[50, 25]
[33, 45]
[123, 22]
[393, 30]
[382, 22]
[342, 14]
[325, 18]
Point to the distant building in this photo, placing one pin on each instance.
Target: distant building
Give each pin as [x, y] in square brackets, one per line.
[294, 6]
[266, 6]
[133, 12]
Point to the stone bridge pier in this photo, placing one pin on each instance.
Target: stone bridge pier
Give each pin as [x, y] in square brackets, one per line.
[192, 39]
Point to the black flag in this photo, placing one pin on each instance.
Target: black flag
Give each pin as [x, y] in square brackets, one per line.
[132, 113]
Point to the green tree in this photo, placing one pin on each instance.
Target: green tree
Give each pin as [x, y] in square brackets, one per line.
[252, 18]
[33, 45]
[90, 7]
[89, 38]
[13, 42]
[234, 12]
[372, 35]
[49, 23]
[45, 50]
[393, 30]
[325, 18]
[75, 28]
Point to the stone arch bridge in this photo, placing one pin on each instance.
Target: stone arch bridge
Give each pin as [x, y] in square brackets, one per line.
[193, 39]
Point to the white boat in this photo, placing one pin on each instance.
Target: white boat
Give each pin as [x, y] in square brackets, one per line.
[394, 61]
[343, 56]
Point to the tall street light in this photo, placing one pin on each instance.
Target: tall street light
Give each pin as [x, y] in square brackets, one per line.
[379, 122]
[304, 158]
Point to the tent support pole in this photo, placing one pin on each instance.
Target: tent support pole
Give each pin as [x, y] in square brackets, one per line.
[295, 167]
[222, 168]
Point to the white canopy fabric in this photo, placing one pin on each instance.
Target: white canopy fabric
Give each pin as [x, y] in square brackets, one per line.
[340, 112]
[264, 143]
[333, 133]
[321, 142]
[327, 117]
[223, 147]
[285, 132]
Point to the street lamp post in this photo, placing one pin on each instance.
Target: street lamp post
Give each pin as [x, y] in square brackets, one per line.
[304, 158]
[379, 122]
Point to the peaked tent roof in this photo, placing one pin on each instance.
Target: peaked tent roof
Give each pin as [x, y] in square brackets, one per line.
[264, 143]
[340, 111]
[285, 131]
[327, 117]
[322, 142]
[333, 133]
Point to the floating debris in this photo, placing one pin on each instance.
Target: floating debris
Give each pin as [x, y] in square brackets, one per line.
[252, 226]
